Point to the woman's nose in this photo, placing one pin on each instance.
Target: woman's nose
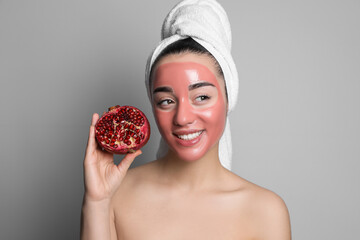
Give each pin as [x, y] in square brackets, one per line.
[184, 113]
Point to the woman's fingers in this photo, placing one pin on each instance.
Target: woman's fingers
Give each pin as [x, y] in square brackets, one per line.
[92, 146]
[127, 160]
[91, 141]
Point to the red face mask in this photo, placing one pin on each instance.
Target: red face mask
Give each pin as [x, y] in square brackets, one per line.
[189, 108]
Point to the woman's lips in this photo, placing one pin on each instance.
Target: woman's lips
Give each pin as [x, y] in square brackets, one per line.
[188, 138]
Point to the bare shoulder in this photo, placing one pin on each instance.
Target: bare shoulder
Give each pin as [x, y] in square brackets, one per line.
[135, 181]
[266, 210]
[134, 175]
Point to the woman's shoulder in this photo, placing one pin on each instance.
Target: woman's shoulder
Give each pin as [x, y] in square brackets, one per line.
[265, 207]
[259, 197]
[136, 178]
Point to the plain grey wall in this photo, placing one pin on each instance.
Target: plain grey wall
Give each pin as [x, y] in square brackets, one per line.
[295, 129]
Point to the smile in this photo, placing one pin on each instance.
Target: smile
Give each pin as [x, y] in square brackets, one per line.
[190, 136]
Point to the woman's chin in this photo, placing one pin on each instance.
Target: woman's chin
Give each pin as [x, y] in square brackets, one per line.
[190, 155]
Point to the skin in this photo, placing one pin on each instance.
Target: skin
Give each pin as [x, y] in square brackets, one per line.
[187, 99]
[187, 194]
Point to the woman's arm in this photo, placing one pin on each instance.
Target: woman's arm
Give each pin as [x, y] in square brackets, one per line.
[96, 220]
[102, 178]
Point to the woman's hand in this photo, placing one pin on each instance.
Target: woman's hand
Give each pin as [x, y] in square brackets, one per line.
[103, 177]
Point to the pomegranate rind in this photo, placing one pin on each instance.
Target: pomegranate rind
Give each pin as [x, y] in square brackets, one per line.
[122, 130]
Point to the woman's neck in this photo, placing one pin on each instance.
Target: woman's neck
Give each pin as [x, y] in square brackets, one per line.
[201, 174]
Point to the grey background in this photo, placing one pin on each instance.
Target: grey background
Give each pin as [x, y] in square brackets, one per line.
[295, 128]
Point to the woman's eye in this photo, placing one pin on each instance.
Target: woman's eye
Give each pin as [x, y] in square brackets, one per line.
[202, 98]
[165, 102]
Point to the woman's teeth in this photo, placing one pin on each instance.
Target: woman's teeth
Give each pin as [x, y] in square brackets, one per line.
[189, 136]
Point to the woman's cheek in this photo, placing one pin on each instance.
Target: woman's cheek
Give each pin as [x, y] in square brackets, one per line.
[214, 119]
[164, 120]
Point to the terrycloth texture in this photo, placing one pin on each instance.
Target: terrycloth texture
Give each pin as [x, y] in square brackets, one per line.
[206, 22]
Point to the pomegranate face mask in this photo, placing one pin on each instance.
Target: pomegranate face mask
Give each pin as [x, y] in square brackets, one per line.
[189, 108]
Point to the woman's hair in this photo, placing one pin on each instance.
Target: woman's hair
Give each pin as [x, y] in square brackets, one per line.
[184, 46]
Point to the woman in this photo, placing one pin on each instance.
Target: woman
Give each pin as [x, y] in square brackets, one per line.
[186, 193]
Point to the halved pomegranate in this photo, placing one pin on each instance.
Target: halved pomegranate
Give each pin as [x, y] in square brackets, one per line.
[122, 130]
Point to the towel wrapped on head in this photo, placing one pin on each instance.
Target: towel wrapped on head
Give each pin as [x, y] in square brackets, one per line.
[207, 23]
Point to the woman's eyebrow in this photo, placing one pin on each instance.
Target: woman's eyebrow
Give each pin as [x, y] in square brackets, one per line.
[201, 84]
[163, 89]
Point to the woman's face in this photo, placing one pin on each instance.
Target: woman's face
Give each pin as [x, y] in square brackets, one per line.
[189, 103]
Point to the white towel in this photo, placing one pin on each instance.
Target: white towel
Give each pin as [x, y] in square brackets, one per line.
[207, 23]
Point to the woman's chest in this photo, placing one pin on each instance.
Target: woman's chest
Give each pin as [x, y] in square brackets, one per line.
[186, 217]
